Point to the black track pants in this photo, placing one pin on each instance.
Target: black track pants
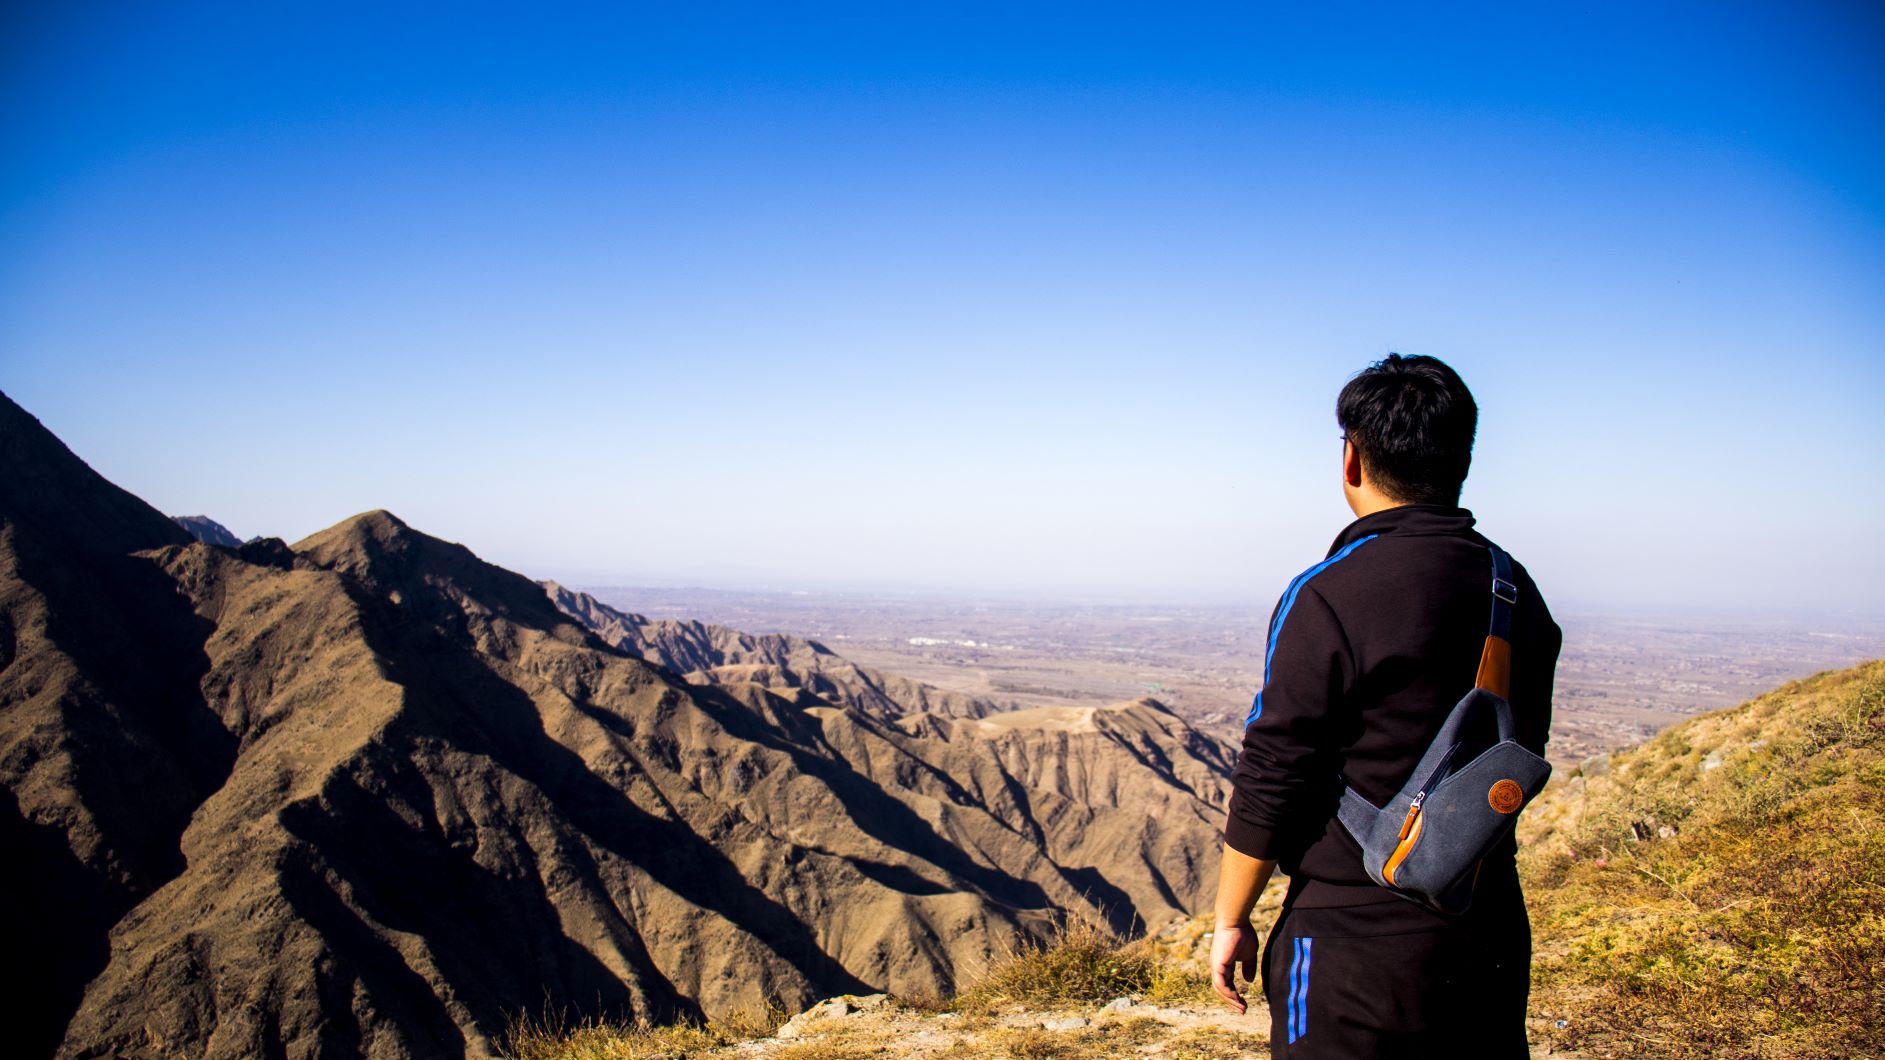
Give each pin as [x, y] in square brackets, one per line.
[1393, 980]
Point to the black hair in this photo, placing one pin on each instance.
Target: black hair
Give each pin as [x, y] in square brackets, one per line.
[1412, 419]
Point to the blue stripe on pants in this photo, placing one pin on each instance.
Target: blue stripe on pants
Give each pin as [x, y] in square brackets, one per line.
[1299, 989]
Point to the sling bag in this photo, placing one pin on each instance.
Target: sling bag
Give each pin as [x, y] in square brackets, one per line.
[1427, 843]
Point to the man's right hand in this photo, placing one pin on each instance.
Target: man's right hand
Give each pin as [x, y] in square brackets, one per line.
[1240, 878]
[1230, 947]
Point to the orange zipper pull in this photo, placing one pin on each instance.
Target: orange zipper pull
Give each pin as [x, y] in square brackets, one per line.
[1412, 812]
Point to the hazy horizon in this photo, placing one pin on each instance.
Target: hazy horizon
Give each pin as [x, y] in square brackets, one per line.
[1568, 608]
[1569, 605]
[1053, 303]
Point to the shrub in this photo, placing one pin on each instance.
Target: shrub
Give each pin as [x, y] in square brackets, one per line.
[1082, 964]
[554, 1037]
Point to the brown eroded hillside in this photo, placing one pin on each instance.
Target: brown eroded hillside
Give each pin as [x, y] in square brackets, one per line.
[716, 655]
[369, 794]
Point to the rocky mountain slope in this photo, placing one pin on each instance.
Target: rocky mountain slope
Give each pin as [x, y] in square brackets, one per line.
[208, 530]
[368, 794]
[716, 655]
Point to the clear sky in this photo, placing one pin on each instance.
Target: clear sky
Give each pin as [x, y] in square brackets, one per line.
[1020, 299]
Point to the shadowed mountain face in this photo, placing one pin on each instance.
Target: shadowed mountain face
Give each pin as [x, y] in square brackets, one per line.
[369, 794]
[208, 530]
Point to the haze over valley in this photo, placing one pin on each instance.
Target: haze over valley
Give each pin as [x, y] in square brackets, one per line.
[1619, 680]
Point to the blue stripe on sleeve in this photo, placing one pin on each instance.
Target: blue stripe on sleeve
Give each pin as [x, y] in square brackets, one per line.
[1282, 612]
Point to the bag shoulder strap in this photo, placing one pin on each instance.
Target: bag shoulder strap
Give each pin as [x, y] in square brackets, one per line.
[1495, 660]
[1495, 676]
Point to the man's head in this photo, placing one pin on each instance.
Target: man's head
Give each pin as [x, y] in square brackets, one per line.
[1409, 423]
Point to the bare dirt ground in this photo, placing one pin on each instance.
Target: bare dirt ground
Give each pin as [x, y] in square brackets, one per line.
[875, 1026]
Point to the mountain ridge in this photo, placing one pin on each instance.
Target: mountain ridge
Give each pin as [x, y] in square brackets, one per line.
[705, 653]
[369, 794]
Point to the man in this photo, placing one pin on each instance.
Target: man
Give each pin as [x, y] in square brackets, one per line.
[1368, 651]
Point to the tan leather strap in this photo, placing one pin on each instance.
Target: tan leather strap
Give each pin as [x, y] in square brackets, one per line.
[1495, 668]
[1495, 660]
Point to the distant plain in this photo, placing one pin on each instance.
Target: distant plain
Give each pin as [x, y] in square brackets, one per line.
[1620, 679]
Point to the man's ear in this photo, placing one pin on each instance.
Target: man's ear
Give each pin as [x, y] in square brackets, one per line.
[1351, 465]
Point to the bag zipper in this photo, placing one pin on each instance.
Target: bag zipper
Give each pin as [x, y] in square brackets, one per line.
[1402, 844]
[1420, 796]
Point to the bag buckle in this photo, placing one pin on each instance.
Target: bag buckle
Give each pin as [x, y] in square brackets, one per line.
[1505, 590]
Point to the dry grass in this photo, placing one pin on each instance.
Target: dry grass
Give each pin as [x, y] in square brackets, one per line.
[553, 1037]
[839, 1046]
[1721, 890]
[1083, 965]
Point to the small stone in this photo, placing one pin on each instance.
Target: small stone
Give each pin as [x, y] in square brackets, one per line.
[1757, 745]
[1666, 832]
[835, 1007]
[1595, 765]
[1563, 1024]
[1070, 1023]
[1712, 760]
[1118, 1004]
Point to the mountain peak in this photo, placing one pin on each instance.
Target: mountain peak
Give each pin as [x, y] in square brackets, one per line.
[378, 524]
[376, 547]
[207, 530]
[440, 578]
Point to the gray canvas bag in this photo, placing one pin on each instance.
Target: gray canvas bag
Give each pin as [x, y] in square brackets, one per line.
[1427, 842]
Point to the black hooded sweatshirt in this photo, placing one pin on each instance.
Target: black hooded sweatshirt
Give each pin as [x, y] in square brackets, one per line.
[1367, 653]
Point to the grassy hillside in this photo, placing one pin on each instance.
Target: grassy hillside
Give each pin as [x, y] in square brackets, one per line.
[1720, 890]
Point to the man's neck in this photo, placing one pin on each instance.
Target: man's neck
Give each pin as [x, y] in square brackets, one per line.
[1366, 500]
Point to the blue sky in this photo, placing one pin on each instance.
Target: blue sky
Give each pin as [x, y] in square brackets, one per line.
[1032, 300]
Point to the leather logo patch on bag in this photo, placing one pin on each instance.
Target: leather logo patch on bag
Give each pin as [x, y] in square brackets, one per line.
[1506, 796]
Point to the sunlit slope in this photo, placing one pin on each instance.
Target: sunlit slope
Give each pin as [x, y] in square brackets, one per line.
[1720, 890]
